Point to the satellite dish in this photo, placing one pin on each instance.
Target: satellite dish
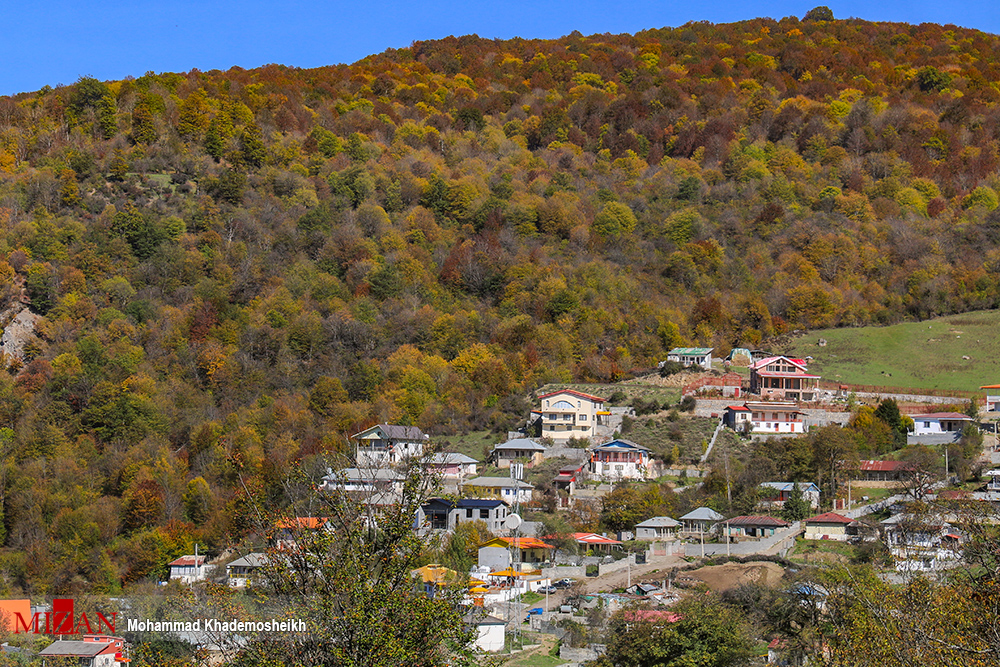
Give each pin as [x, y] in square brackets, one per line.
[512, 522]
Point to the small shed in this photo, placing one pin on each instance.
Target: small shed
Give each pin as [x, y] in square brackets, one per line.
[490, 634]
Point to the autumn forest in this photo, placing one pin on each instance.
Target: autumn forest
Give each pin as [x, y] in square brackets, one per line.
[238, 269]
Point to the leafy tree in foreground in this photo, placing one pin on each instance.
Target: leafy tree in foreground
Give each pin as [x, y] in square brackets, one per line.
[706, 633]
[796, 507]
[352, 585]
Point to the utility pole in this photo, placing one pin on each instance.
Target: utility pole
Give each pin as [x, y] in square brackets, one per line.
[729, 495]
[946, 463]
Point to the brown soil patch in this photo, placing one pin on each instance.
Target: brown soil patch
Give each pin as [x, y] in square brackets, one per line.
[730, 575]
[675, 380]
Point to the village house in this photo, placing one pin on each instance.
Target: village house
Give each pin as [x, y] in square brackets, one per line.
[565, 482]
[504, 488]
[657, 528]
[619, 459]
[752, 526]
[881, 471]
[452, 465]
[519, 449]
[774, 494]
[992, 397]
[569, 414]
[738, 418]
[189, 569]
[241, 572]
[363, 481]
[700, 521]
[828, 526]
[288, 532]
[496, 553]
[81, 653]
[782, 379]
[775, 417]
[596, 543]
[433, 578]
[443, 514]
[936, 423]
[490, 632]
[692, 356]
[993, 483]
[388, 444]
[922, 543]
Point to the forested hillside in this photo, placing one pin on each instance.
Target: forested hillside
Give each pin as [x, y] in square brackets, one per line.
[237, 269]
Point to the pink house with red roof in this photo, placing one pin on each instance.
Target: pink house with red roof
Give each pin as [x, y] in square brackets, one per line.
[782, 379]
[568, 413]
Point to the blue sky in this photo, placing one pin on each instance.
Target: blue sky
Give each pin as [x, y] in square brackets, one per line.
[48, 42]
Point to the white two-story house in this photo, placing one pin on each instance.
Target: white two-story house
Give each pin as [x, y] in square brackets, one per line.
[388, 444]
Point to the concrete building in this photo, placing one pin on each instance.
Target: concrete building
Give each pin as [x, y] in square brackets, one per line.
[444, 514]
[189, 569]
[496, 553]
[936, 423]
[828, 526]
[619, 459]
[774, 494]
[657, 528]
[452, 465]
[388, 444]
[509, 490]
[569, 414]
[692, 356]
[519, 449]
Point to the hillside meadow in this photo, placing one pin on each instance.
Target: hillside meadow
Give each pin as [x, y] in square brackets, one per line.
[928, 355]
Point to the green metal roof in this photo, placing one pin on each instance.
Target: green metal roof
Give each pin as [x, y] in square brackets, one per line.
[691, 350]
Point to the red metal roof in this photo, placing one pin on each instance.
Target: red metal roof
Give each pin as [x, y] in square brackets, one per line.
[592, 538]
[775, 374]
[589, 397]
[188, 561]
[756, 520]
[882, 466]
[741, 408]
[943, 415]
[830, 517]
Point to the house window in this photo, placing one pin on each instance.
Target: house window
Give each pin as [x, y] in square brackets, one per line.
[927, 424]
[468, 514]
[484, 514]
[583, 418]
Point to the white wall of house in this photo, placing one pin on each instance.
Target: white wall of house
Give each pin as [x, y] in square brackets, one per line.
[932, 425]
[826, 531]
[491, 638]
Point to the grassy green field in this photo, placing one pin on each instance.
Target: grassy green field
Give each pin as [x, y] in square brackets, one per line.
[925, 355]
